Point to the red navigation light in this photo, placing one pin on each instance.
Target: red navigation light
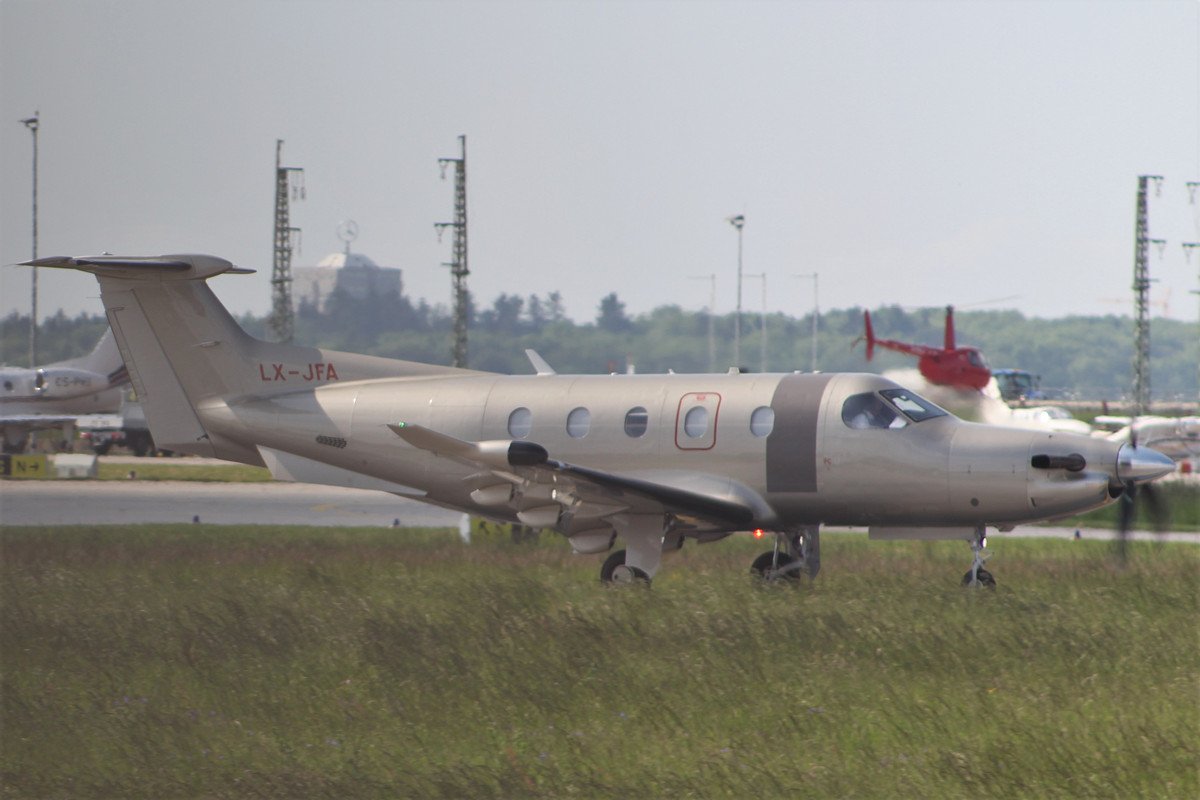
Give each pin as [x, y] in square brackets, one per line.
[758, 533]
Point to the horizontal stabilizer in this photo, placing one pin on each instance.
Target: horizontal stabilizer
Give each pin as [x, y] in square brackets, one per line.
[173, 267]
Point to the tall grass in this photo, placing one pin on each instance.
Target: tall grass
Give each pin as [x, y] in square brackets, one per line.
[194, 661]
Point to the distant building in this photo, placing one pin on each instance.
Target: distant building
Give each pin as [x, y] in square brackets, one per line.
[353, 273]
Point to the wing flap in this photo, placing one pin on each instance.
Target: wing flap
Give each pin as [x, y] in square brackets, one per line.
[586, 494]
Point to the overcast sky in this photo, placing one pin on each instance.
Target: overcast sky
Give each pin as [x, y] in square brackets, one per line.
[919, 153]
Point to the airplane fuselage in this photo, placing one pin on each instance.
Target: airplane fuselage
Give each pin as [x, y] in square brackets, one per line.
[779, 443]
[651, 459]
[21, 387]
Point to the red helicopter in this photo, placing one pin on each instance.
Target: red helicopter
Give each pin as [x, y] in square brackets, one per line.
[957, 367]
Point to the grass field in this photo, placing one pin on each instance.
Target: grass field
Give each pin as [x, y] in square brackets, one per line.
[219, 662]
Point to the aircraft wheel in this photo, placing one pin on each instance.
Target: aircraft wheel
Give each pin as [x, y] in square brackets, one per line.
[761, 568]
[985, 579]
[615, 571]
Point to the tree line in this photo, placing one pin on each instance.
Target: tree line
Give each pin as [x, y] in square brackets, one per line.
[1090, 357]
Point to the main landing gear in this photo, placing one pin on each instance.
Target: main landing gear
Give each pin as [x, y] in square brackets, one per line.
[796, 553]
[615, 570]
[977, 575]
[646, 538]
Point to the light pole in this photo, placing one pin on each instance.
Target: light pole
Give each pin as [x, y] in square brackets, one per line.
[816, 314]
[1188, 247]
[762, 320]
[32, 124]
[712, 305]
[738, 222]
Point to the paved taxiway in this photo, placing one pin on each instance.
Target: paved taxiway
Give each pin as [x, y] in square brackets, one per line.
[70, 502]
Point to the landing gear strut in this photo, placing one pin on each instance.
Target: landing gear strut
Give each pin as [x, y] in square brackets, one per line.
[795, 554]
[977, 575]
[615, 570]
[646, 537]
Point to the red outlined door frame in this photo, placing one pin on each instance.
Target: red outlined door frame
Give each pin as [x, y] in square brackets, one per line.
[711, 402]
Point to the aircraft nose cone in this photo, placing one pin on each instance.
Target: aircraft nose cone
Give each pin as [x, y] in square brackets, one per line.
[1141, 464]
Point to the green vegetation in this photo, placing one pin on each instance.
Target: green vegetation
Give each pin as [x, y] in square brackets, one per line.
[196, 661]
[1089, 357]
[171, 470]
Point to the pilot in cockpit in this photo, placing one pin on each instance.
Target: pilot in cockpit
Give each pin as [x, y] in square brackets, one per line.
[869, 411]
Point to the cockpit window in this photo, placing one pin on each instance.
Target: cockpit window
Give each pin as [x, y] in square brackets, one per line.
[976, 358]
[869, 411]
[890, 408]
[915, 407]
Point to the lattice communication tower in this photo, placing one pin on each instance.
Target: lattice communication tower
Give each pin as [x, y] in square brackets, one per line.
[458, 262]
[1141, 298]
[281, 322]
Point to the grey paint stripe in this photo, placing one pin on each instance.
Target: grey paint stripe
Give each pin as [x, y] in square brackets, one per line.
[792, 445]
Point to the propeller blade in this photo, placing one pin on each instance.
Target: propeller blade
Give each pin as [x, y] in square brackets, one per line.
[1156, 508]
[1125, 516]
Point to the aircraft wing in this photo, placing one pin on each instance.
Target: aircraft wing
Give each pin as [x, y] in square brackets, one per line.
[544, 492]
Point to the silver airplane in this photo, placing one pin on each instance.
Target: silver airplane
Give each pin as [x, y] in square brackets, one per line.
[652, 459]
[56, 395]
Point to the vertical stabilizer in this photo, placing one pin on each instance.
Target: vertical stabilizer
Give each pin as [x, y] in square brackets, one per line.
[948, 342]
[105, 359]
[180, 344]
[185, 352]
[870, 334]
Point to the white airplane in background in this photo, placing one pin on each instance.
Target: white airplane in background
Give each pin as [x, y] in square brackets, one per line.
[56, 395]
[1176, 437]
[653, 459]
[1052, 418]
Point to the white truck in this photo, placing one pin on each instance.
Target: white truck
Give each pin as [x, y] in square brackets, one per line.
[127, 428]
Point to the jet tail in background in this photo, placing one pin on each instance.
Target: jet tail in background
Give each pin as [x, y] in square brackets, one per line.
[105, 359]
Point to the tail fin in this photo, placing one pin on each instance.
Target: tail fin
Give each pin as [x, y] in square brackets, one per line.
[105, 359]
[870, 334]
[948, 342]
[184, 349]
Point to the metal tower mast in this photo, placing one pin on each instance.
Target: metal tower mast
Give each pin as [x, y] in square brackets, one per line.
[762, 329]
[712, 305]
[1188, 247]
[1141, 300]
[458, 263]
[32, 125]
[281, 321]
[816, 314]
[738, 222]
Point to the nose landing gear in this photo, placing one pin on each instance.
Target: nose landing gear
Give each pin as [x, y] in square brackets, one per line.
[977, 575]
